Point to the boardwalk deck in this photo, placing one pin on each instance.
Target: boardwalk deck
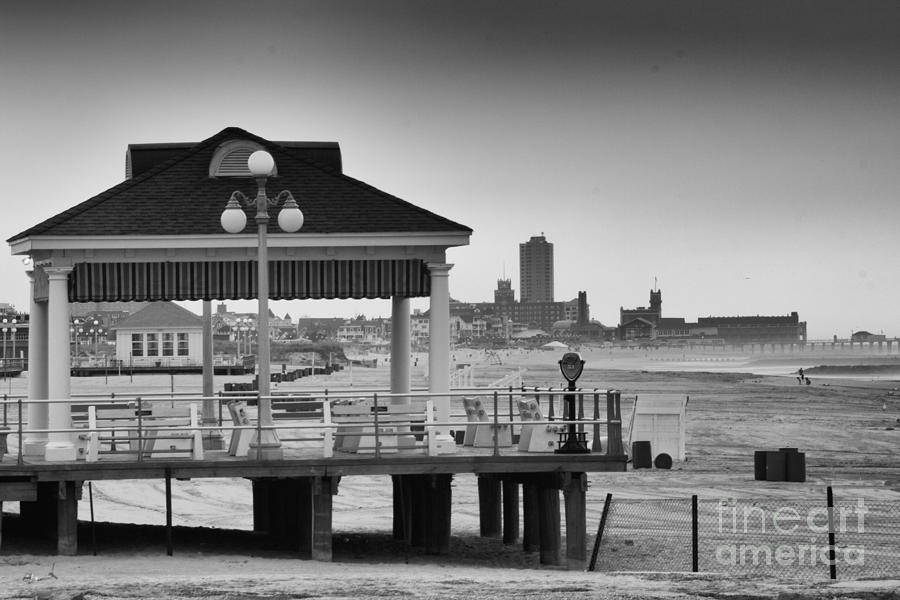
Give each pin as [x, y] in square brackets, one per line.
[292, 497]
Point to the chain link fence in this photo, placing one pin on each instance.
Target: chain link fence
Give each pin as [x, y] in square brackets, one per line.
[799, 539]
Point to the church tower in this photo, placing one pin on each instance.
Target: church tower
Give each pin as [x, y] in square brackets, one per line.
[656, 302]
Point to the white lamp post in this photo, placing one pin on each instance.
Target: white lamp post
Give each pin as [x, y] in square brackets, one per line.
[234, 220]
[5, 329]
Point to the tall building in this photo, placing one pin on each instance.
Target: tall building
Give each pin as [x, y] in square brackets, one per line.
[536, 270]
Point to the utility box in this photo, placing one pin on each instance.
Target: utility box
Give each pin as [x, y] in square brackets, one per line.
[660, 420]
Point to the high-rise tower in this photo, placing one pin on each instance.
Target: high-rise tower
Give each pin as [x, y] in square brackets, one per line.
[536, 270]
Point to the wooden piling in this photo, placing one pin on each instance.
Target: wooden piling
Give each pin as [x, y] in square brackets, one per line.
[574, 491]
[510, 511]
[489, 510]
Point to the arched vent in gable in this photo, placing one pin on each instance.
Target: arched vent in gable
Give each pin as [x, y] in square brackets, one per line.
[230, 159]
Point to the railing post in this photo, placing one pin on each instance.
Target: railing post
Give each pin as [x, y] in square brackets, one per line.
[614, 423]
[140, 431]
[580, 411]
[511, 413]
[496, 426]
[375, 414]
[20, 459]
[597, 446]
[259, 400]
[550, 413]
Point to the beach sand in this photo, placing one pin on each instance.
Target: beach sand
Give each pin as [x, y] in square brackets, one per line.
[847, 427]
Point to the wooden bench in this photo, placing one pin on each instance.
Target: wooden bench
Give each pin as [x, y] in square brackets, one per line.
[313, 417]
[480, 430]
[151, 431]
[342, 426]
[536, 437]
[306, 411]
[399, 427]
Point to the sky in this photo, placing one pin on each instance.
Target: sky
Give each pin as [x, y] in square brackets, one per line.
[745, 156]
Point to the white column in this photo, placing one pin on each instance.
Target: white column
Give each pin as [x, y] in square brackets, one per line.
[35, 443]
[400, 360]
[212, 439]
[59, 446]
[400, 348]
[439, 352]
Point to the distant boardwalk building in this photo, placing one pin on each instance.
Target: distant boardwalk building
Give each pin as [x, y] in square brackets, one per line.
[536, 270]
[647, 323]
[736, 330]
[161, 334]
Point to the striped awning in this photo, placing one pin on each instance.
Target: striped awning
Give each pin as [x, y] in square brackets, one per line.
[236, 280]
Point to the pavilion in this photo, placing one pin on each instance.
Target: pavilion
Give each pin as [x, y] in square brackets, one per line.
[157, 236]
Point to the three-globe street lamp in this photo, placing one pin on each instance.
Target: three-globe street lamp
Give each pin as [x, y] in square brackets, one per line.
[234, 220]
[9, 325]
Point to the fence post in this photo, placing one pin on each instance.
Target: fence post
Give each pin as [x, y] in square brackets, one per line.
[832, 563]
[695, 535]
[600, 529]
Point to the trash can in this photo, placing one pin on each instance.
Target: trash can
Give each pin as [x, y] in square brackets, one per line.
[662, 461]
[641, 456]
[759, 465]
[795, 467]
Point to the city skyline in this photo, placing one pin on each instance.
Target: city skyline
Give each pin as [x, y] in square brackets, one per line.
[744, 155]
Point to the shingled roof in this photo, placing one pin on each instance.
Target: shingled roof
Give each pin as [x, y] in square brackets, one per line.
[178, 197]
[161, 315]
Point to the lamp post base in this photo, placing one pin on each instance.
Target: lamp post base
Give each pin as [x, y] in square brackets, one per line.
[213, 440]
[265, 447]
[445, 444]
[34, 447]
[59, 452]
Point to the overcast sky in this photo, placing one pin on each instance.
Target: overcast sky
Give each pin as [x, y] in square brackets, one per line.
[745, 154]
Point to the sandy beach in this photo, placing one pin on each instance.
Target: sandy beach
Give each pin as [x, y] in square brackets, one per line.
[848, 427]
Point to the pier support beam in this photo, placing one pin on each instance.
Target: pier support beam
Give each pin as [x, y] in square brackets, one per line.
[531, 519]
[427, 511]
[489, 514]
[510, 511]
[574, 491]
[548, 510]
[53, 515]
[296, 514]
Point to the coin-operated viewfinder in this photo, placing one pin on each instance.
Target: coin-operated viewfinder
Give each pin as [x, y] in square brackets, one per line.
[571, 365]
